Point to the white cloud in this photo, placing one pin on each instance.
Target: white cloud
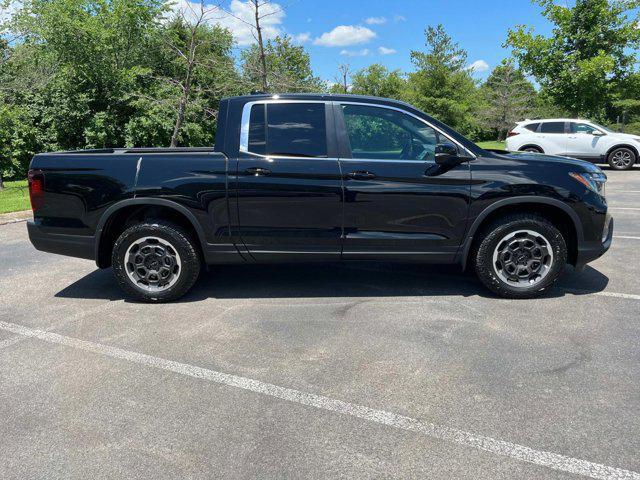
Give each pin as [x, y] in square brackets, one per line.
[344, 36]
[479, 66]
[399, 18]
[239, 18]
[386, 51]
[303, 37]
[375, 20]
[355, 53]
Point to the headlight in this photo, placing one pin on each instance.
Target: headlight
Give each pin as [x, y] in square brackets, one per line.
[593, 181]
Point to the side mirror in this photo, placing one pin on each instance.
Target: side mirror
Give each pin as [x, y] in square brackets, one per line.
[598, 133]
[447, 154]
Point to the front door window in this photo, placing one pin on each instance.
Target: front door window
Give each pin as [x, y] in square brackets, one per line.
[386, 134]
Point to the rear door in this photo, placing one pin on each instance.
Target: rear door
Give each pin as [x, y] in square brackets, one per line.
[288, 184]
[399, 204]
[553, 137]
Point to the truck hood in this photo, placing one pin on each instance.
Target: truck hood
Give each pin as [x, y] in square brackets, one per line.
[571, 163]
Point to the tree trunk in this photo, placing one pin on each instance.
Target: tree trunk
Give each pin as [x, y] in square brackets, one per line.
[176, 129]
[263, 59]
[184, 100]
[1, 182]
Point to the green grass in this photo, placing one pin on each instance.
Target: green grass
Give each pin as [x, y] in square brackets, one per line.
[14, 197]
[492, 144]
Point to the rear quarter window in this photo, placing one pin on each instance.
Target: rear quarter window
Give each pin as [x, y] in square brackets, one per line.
[532, 126]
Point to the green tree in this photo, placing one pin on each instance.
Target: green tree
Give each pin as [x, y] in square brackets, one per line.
[508, 98]
[194, 61]
[442, 84]
[77, 66]
[592, 48]
[377, 80]
[288, 67]
[102, 73]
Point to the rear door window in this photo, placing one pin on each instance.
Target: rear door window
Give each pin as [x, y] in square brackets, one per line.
[552, 127]
[288, 129]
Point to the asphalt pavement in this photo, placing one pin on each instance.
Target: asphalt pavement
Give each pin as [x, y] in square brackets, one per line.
[363, 370]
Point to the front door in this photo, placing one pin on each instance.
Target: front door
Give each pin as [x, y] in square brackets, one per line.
[288, 182]
[582, 143]
[399, 204]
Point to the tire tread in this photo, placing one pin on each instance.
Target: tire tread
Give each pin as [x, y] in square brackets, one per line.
[482, 253]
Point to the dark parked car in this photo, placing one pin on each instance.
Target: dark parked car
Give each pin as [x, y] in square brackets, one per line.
[300, 178]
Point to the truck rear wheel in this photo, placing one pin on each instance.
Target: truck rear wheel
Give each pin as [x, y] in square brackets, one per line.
[156, 261]
[519, 256]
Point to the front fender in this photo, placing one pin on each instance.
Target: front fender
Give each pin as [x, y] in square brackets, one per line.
[463, 252]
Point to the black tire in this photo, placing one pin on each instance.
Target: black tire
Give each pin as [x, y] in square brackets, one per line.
[175, 240]
[496, 237]
[621, 158]
[531, 148]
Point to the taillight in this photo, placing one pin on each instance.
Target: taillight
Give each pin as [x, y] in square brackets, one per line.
[36, 189]
[512, 133]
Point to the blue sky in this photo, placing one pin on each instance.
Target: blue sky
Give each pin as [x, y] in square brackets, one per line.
[361, 32]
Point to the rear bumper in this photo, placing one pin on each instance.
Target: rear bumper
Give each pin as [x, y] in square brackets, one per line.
[69, 245]
[588, 252]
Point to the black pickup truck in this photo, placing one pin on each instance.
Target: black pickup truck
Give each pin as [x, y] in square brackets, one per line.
[300, 178]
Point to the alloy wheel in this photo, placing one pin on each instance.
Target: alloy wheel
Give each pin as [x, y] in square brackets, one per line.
[622, 159]
[523, 258]
[152, 264]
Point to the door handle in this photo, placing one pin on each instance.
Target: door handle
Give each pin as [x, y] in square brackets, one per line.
[361, 175]
[257, 171]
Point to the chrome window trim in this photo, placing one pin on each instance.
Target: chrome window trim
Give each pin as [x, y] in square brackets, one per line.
[246, 116]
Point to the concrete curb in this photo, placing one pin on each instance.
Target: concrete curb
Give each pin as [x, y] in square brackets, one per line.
[15, 217]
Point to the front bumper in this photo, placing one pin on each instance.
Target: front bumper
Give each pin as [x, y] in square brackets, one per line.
[590, 251]
[70, 245]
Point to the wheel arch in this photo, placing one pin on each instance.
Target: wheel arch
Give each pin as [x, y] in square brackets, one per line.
[114, 219]
[531, 145]
[563, 217]
[622, 145]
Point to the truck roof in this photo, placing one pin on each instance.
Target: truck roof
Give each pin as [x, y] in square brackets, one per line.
[318, 96]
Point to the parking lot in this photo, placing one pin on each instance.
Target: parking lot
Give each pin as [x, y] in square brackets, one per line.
[321, 371]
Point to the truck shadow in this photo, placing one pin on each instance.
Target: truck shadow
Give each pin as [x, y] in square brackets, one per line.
[362, 279]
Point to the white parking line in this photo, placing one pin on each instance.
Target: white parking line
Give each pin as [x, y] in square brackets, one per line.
[624, 208]
[626, 236]
[551, 460]
[628, 296]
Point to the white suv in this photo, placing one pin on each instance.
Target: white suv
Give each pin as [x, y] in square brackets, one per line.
[575, 138]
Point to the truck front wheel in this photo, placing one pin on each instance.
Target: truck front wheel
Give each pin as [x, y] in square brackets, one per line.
[519, 256]
[156, 261]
